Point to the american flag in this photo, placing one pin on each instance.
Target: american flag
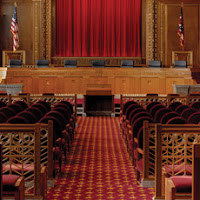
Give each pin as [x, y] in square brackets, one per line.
[14, 29]
[181, 29]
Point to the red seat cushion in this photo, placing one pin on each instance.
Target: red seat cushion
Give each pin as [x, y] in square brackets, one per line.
[56, 153]
[182, 183]
[136, 154]
[178, 169]
[139, 165]
[130, 145]
[8, 181]
[18, 167]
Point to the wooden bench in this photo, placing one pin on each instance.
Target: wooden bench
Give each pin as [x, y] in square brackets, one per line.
[28, 152]
[173, 152]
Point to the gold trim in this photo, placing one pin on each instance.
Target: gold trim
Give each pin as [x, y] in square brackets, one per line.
[48, 29]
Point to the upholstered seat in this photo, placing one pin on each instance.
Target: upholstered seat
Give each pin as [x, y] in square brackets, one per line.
[182, 183]
[15, 63]
[23, 104]
[174, 105]
[180, 64]
[127, 63]
[30, 117]
[176, 120]
[177, 169]
[127, 104]
[187, 112]
[155, 108]
[159, 113]
[70, 63]
[167, 116]
[42, 63]
[130, 108]
[98, 63]
[181, 108]
[134, 112]
[155, 64]
[13, 185]
[16, 107]
[195, 105]
[194, 118]
[41, 107]
[151, 104]
[17, 120]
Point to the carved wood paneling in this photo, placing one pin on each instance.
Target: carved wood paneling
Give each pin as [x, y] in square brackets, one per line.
[151, 30]
[168, 20]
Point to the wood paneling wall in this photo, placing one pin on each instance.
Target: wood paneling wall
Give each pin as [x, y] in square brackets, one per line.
[168, 21]
[31, 24]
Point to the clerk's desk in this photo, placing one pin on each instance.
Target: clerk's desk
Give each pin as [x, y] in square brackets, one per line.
[60, 80]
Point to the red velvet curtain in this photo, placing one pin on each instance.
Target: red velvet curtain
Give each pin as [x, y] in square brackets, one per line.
[98, 28]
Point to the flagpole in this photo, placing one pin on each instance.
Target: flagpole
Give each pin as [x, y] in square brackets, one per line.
[183, 46]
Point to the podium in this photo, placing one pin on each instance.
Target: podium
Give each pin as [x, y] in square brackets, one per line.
[99, 101]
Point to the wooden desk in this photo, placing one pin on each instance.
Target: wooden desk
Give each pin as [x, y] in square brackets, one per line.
[79, 80]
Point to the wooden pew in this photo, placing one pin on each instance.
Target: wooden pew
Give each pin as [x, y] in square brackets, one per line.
[174, 150]
[171, 192]
[27, 150]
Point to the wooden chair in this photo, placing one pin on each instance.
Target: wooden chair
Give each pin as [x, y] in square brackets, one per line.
[10, 184]
[185, 186]
[174, 144]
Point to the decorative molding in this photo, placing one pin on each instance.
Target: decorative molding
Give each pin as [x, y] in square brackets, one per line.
[36, 29]
[43, 30]
[48, 29]
[149, 30]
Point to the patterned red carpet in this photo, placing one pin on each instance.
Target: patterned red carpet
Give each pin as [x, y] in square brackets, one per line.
[98, 166]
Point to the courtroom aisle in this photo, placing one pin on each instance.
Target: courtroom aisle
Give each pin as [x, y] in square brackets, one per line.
[98, 166]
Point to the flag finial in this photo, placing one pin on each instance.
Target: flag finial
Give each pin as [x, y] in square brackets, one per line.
[181, 4]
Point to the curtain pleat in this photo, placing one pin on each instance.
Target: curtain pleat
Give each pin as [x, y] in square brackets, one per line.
[98, 28]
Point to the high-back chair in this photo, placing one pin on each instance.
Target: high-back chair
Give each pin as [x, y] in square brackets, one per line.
[180, 64]
[127, 63]
[155, 64]
[98, 63]
[70, 63]
[42, 63]
[15, 63]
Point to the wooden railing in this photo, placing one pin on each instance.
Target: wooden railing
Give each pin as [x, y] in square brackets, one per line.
[143, 100]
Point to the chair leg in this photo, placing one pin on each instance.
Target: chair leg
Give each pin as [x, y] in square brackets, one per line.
[138, 177]
[60, 164]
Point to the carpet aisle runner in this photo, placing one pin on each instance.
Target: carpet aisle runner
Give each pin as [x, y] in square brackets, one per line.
[98, 166]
